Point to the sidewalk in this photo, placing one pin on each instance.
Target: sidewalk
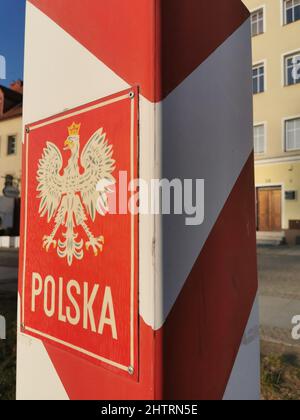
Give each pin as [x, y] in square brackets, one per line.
[9, 257]
[8, 279]
[278, 312]
[279, 284]
[8, 270]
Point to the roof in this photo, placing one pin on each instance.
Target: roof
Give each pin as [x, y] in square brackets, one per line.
[12, 103]
[12, 113]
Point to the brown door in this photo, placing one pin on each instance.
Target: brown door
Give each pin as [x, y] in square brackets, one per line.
[269, 209]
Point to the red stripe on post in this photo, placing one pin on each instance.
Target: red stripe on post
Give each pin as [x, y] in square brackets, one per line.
[121, 34]
[202, 335]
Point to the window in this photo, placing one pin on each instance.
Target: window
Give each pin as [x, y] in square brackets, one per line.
[258, 75]
[291, 11]
[292, 135]
[292, 69]
[259, 139]
[257, 22]
[11, 145]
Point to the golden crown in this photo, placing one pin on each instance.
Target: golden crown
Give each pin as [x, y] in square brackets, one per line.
[74, 129]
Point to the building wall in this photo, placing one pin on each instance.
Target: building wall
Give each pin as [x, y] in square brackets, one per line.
[287, 176]
[10, 165]
[277, 103]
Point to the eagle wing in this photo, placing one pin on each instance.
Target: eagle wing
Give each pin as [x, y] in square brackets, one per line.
[97, 180]
[50, 182]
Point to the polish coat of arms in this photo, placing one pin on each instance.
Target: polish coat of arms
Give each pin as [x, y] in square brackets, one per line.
[70, 197]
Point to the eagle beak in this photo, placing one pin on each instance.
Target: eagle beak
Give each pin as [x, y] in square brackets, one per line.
[68, 144]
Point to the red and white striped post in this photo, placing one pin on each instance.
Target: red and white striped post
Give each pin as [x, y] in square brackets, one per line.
[170, 83]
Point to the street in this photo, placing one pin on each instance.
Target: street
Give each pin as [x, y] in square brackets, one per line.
[279, 287]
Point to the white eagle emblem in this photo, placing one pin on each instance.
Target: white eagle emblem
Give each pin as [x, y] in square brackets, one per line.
[72, 196]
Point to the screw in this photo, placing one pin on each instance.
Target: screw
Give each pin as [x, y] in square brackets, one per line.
[27, 130]
[131, 370]
[131, 95]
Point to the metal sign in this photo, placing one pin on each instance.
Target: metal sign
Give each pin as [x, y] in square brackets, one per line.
[80, 265]
[11, 192]
[6, 212]
[11, 188]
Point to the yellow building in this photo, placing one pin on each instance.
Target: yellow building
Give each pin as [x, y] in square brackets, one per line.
[275, 28]
[10, 134]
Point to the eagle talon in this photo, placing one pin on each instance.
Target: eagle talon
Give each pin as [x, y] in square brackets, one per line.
[96, 244]
[48, 241]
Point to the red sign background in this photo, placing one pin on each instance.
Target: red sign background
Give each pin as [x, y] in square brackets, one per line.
[116, 266]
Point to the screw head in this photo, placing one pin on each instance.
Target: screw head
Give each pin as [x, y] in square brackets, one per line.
[131, 95]
[27, 130]
[131, 370]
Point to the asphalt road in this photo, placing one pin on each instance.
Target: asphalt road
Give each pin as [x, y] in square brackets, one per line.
[279, 288]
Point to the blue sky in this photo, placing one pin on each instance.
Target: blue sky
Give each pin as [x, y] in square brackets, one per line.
[12, 25]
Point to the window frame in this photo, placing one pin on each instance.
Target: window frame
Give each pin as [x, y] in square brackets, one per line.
[261, 63]
[264, 125]
[284, 21]
[264, 22]
[284, 130]
[7, 145]
[285, 57]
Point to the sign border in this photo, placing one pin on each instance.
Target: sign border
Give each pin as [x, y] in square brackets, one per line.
[130, 94]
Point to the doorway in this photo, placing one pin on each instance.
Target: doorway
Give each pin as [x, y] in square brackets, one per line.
[269, 209]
